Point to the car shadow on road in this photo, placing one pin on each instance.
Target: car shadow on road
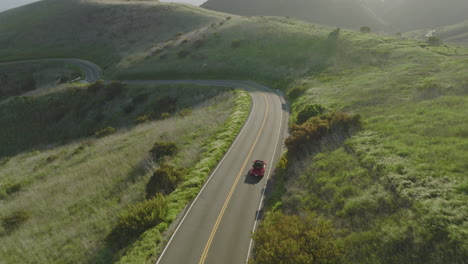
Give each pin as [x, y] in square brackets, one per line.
[252, 179]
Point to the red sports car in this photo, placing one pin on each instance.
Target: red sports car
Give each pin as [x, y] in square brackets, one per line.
[258, 168]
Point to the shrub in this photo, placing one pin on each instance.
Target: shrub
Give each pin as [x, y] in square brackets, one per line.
[236, 43]
[198, 43]
[183, 53]
[334, 34]
[95, 87]
[308, 111]
[105, 132]
[434, 41]
[365, 29]
[161, 149]
[164, 180]
[142, 119]
[138, 218]
[296, 240]
[165, 115]
[336, 126]
[13, 221]
[185, 112]
[296, 91]
[114, 89]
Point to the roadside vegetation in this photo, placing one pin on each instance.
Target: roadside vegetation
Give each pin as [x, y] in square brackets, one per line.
[376, 161]
[71, 196]
[395, 191]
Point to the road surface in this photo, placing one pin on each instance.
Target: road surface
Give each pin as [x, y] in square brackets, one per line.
[216, 227]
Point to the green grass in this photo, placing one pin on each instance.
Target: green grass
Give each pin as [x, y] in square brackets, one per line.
[396, 192]
[101, 31]
[75, 190]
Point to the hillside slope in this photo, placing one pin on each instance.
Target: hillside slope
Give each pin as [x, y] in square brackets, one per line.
[457, 33]
[337, 13]
[426, 14]
[102, 31]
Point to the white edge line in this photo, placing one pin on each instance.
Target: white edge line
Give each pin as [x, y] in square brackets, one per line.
[264, 187]
[206, 183]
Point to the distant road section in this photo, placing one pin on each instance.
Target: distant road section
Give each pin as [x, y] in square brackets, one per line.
[216, 227]
[91, 71]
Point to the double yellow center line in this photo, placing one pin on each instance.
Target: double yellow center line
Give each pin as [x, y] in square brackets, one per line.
[226, 202]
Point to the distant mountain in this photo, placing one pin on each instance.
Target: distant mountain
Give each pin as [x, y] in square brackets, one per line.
[424, 14]
[338, 13]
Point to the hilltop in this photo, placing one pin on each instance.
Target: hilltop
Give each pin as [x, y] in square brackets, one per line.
[338, 13]
[103, 31]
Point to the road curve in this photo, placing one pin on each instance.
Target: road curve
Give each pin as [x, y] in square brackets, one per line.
[216, 227]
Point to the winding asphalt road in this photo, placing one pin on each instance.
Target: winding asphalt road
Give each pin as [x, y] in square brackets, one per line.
[216, 226]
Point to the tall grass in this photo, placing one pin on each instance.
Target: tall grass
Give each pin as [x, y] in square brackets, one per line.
[75, 191]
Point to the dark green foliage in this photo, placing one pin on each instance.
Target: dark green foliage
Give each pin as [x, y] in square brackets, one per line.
[95, 87]
[161, 149]
[138, 218]
[104, 132]
[183, 53]
[29, 83]
[114, 89]
[164, 180]
[334, 34]
[165, 115]
[142, 119]
[365, 29]
[291, 239]
[295, 92]
[308, 111]
[434, 41]
[236, 43]
[185, 112]
[198, 43]
[305, 137]
[13, 221]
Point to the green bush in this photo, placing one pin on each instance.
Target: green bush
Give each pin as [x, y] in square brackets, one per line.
[104, 132]
[434, 41]
[185, 112]
[308, 111]
[164, 180]
[13, 221]
[291, 239]
[183, 53]
[114, 89]
[161, 149]
[310, 134]
[236, 43]
[138, 218]
[142, 119]
[295, 92]
[365, 29]
[95, 87]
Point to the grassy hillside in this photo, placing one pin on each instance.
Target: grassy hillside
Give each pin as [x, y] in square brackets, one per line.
[395, 192]
[103, 31]
[62, 199]
[339, 13]
[457, 33]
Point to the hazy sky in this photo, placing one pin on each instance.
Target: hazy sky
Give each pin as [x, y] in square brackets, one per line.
[7, 4]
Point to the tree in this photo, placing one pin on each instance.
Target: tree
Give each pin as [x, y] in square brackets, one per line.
[365, 29]
[308, 111]
[434, 41]
[292, 239]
